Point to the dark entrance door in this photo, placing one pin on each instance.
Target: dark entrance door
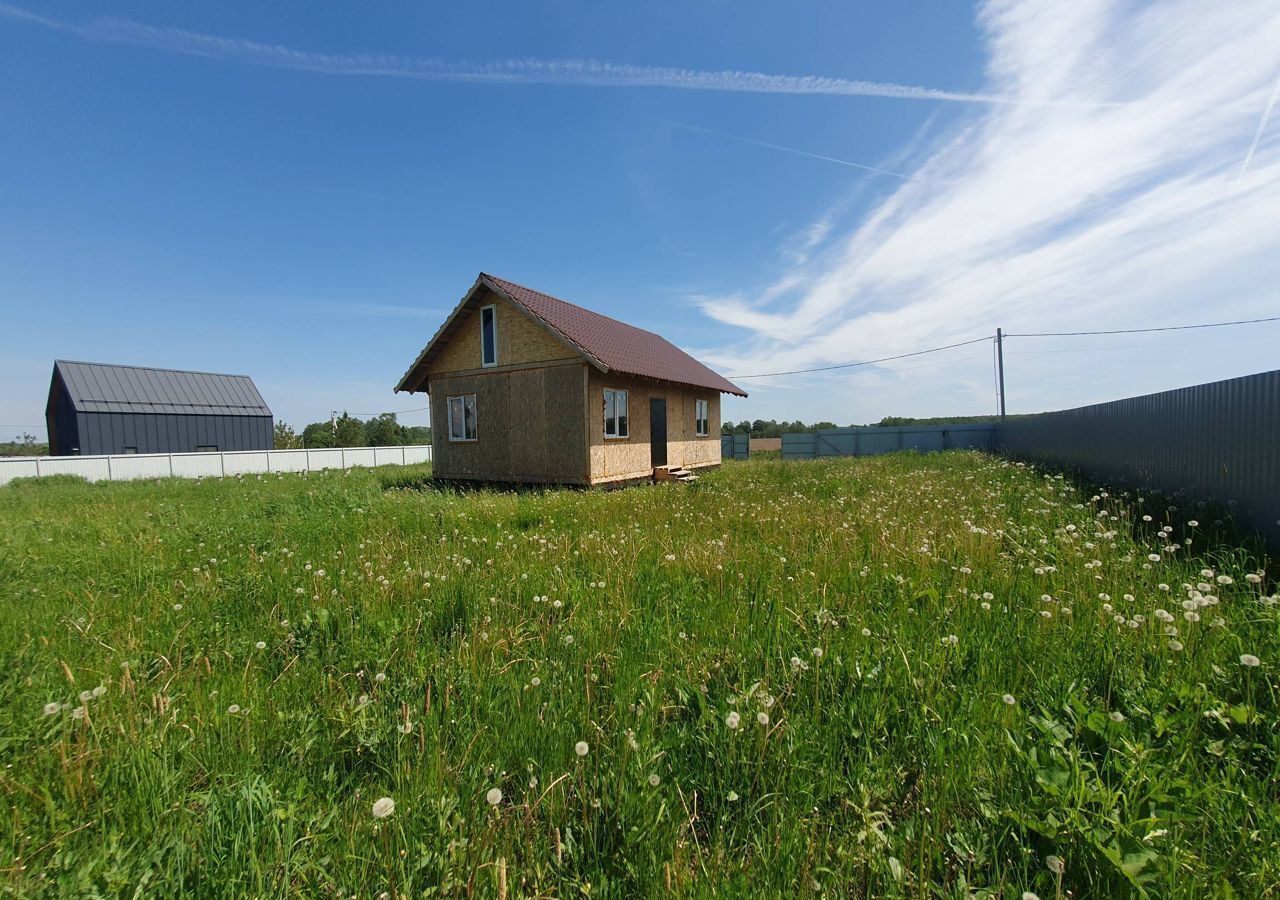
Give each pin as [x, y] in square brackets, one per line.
[658, 431]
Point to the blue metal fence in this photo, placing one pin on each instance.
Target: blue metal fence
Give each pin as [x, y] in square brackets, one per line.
[873, 441]
[735, 446]
[1218, 441]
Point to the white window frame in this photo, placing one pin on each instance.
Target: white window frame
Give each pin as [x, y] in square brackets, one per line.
[702, 418]
[475, 418]
[626, 414]
[489, 364]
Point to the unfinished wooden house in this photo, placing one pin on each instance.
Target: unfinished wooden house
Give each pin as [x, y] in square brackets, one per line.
[528, 388]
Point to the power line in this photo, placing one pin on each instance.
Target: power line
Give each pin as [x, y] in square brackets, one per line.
[866, 362]
[1142, 330]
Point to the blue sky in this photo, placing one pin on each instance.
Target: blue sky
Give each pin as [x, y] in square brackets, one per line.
[257, 188]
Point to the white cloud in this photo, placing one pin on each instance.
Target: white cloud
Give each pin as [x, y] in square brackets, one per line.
[1057, 217]
[583, 72]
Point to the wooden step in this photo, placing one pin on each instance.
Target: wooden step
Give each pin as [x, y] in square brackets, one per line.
[673, 473]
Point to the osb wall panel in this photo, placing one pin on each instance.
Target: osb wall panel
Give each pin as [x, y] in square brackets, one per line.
[520, 339]
[528, 426]
[616, 459]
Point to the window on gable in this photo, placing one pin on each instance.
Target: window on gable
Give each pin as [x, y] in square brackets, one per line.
[489, 336]
[703, 422]
[462, 418]
[615, 414]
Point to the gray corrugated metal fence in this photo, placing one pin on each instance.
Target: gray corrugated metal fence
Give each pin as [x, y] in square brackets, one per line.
[735, 446]
[1218, 441]
[873, 441]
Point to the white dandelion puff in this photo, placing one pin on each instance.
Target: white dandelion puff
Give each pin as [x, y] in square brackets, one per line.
[383, 807]
[1246, 659]
[581, 748]
[494, 797]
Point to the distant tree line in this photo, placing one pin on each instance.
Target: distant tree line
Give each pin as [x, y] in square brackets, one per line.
[26, 445]
[762, 428]
[348, 431]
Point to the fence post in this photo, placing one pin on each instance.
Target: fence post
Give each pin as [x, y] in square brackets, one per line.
[170, 465]
[110, 476]
[37, 467]
[343, 457]
[222, 464]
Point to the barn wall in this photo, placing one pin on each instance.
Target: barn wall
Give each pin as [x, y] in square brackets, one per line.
[621, 459]
[528, 424]
[520, 340]
[60, 416]
[110, 433]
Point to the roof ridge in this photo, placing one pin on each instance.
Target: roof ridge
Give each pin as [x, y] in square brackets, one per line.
[570, 303]
[82, 362]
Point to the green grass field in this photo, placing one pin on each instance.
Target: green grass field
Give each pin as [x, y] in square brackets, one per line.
[919, 676]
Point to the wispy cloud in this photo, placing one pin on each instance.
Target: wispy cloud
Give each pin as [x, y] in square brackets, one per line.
[818, 156]
[1055, 215]
[1262, 126]
[580, 72]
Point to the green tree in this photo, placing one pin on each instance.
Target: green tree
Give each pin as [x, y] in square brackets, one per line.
[350, 432]
[417, 434]
[285, 438]
[384, 431]
[318, 434]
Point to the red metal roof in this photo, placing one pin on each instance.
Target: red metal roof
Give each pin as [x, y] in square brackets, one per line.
[616, 346]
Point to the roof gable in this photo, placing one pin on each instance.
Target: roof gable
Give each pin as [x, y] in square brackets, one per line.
[98, 387]
[606, 343]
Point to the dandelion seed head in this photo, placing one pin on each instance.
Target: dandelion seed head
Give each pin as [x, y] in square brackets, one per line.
[581, 748]
[1249, 660]
[493, 797]
[383, 807]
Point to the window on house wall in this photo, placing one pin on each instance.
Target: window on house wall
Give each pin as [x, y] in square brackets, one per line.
[701, 413]
[462, 418]
[206, 448]
[489, 336]
[615, 413]
[128, 450]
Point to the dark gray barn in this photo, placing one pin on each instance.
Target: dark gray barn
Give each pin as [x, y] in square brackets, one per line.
[102, 409]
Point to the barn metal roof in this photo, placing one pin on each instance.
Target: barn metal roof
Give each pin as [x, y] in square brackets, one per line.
[610, 345]
[98, 387]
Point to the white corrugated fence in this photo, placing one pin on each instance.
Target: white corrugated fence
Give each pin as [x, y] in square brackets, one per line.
[208, 465]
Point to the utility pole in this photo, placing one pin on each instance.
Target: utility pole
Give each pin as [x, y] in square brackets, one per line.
[1000, 368]
[333, 423]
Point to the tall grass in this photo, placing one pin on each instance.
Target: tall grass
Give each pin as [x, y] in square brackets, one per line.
[924, 676]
